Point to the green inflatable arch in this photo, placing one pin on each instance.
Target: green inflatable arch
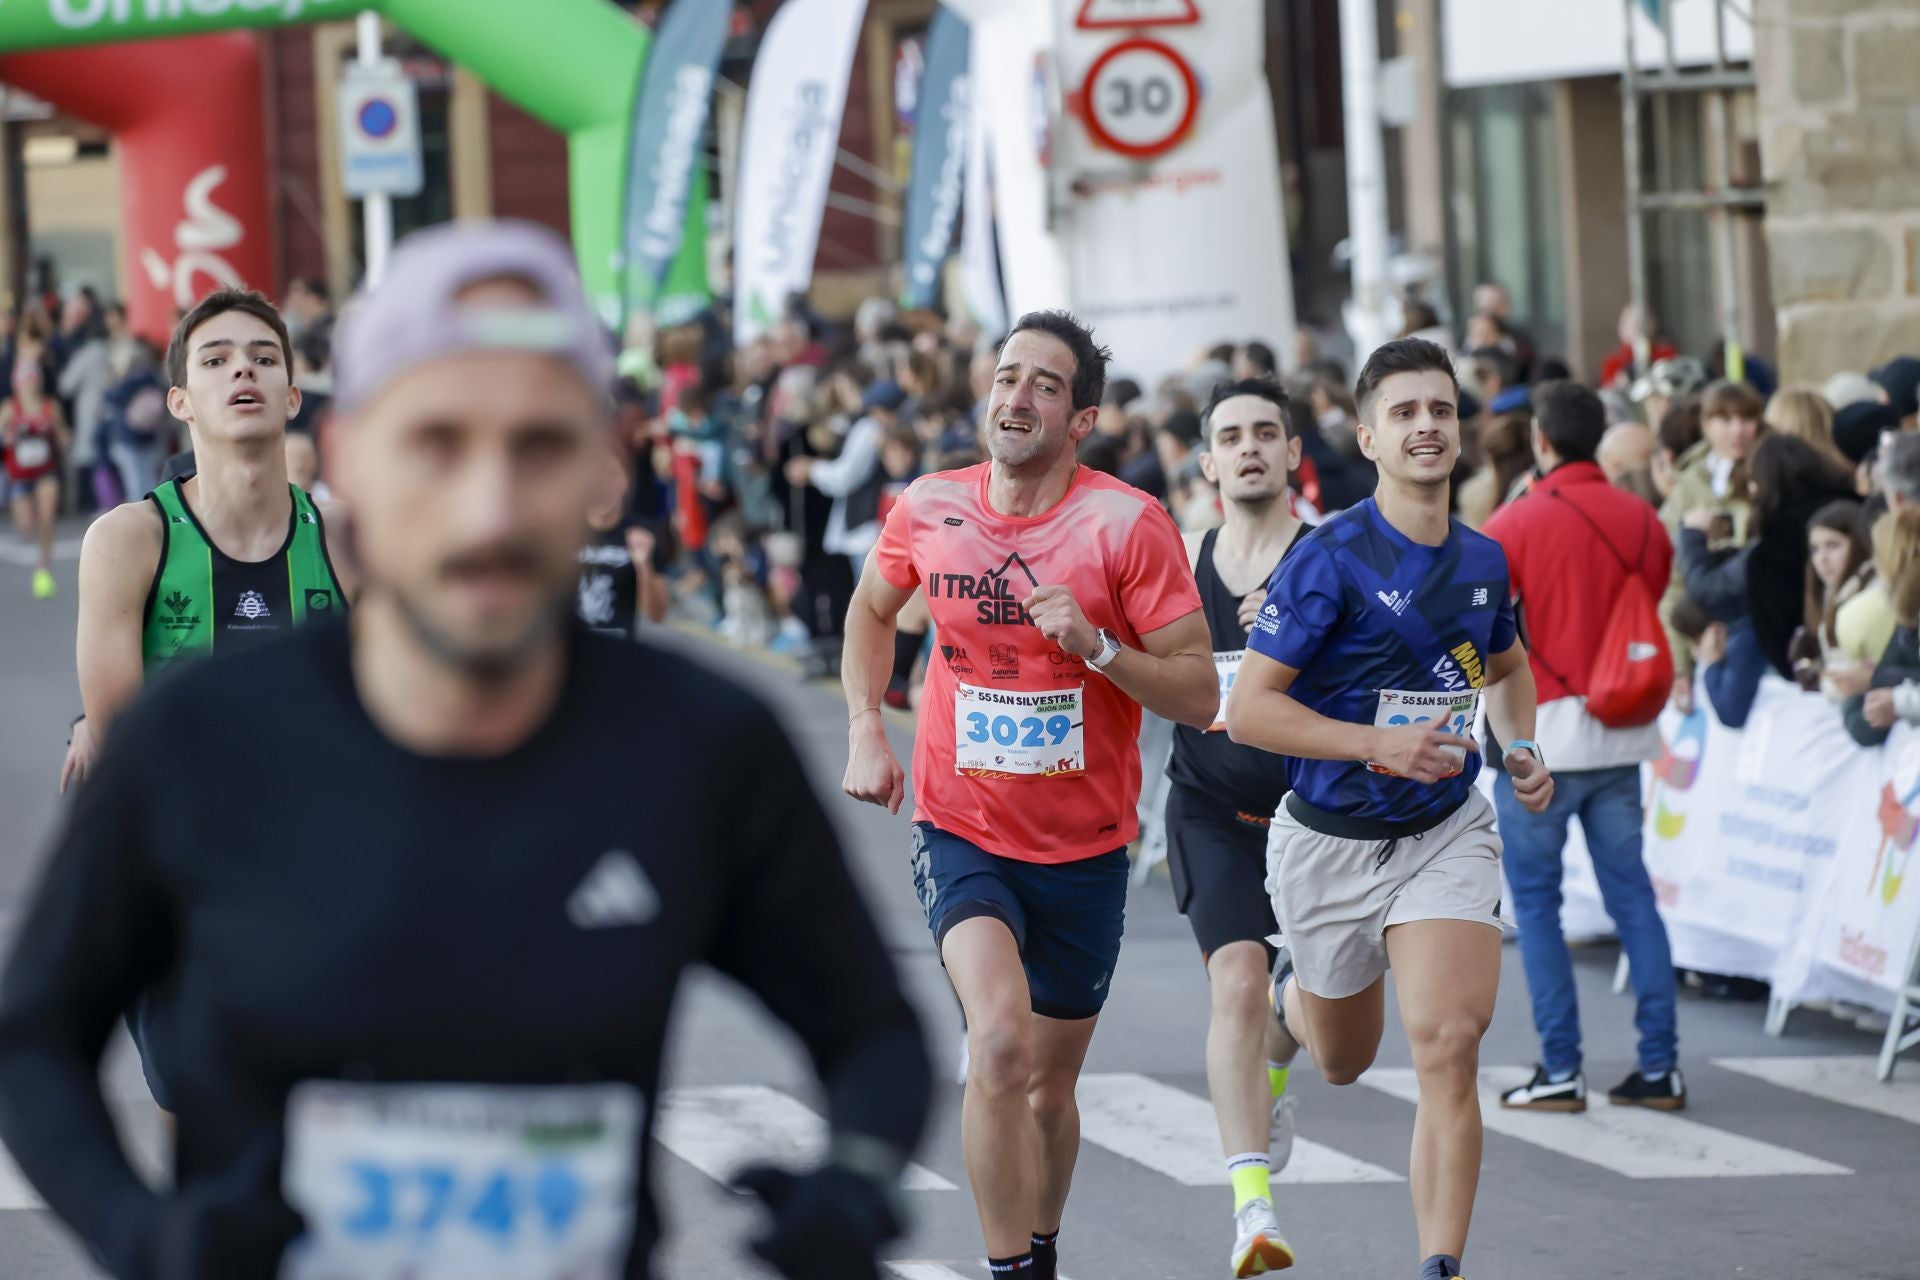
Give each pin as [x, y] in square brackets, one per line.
[573, 64]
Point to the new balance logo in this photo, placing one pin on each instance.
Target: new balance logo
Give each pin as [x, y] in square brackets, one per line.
[1394, 600]
[615, 893]
[1479, 597]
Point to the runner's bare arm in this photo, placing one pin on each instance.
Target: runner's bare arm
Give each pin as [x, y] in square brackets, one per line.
[117, 562]
[1512, 699]
[337, 532]
[62, 438]
[1262, 713]
[1172, 673]
[866, 664]
[1512, 704]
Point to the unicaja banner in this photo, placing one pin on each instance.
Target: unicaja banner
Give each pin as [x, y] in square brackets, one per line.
[792, 130]
[935, 189]
[670, 121]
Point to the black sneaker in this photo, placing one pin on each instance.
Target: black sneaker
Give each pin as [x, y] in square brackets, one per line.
[1661, 1093]
[1543, 1093]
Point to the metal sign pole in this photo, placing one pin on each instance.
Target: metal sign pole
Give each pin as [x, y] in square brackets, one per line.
[1366, 178]
[1636, 229]
[377, 209]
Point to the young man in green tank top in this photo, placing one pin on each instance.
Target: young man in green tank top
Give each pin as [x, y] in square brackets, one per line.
[224, 558]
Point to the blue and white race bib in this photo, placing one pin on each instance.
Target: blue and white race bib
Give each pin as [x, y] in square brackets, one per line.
[1033, 733]
[452, 1182]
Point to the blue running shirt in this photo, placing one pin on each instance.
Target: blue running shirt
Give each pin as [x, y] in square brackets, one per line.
[1385, 631]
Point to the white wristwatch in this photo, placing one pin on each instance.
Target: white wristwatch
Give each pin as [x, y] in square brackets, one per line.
[1106, 650]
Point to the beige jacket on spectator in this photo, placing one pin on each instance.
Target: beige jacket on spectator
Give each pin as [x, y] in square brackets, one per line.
[1693, 489]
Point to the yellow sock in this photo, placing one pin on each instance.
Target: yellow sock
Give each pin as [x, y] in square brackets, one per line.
[1251, 1174]
[1277, 1078]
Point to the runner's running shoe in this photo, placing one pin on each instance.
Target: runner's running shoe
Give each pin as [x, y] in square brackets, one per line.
[1544, 1093]
[1259, 1248]
[1662, 1093]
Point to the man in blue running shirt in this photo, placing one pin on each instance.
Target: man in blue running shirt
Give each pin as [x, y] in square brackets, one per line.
[1367, 666]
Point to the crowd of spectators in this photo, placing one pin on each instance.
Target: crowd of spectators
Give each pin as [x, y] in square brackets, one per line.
[759, 476]
[112, 388]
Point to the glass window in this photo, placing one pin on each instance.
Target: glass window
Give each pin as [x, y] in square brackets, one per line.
[1504, 205]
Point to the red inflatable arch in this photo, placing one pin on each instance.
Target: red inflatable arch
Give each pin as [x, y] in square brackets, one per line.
[186, 114]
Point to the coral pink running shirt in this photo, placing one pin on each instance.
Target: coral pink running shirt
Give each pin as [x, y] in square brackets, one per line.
[1023, 749]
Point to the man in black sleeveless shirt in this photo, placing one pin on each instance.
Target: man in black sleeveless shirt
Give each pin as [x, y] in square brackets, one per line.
[1221, 804]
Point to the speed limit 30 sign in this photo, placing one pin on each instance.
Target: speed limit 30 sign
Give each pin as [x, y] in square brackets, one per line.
[1140, 98]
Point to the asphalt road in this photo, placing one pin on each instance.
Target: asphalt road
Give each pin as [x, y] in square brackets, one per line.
[1791, 1161]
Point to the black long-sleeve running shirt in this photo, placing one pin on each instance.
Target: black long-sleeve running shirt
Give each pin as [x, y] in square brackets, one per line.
[309, 901]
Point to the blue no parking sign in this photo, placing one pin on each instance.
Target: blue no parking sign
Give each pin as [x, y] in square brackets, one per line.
[379, 131]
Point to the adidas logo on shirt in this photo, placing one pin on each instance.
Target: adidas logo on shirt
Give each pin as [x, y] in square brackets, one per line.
[615, 892]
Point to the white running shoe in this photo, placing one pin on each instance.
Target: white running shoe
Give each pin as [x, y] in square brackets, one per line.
[1285, 1124]
[1258, 1247]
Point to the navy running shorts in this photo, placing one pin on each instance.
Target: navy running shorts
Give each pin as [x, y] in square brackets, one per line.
[1066, 917]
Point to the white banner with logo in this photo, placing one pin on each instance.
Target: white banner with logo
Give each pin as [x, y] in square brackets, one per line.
[792, 130]
[1780, 851]
[1168, 175]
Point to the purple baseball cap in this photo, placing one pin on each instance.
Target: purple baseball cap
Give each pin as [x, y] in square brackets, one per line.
[414, 314]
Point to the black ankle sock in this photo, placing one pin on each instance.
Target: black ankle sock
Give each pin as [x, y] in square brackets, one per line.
[1441, 1266]
[906, 648]
[1020, 1267]
[1046, 1255]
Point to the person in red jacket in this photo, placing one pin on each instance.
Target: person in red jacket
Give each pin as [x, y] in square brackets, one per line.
[1570, 544]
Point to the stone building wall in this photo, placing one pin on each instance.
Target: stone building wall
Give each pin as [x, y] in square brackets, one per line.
[1839, 103]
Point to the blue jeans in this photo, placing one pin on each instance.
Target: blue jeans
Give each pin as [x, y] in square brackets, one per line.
[1607, 802]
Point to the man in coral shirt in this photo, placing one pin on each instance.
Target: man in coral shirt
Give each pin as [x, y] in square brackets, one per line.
[1063, 604]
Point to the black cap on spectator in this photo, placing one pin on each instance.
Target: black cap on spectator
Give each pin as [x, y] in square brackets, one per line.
[1184, 426]
[1900, 379]
[1857, 428]
[883, 395]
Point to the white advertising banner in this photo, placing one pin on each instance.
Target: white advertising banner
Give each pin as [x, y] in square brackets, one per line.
[1744, 826]
[1169, 180]
[1011, 60]
[1861, 927]
[979, 260]
[792, 130]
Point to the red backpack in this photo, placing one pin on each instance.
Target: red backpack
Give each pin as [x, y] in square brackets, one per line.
[1632, 673]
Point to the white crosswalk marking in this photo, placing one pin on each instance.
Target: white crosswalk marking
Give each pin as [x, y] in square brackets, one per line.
[27, 554]
[930, 1271]
[1173, 1132]
[1631, 1141]
[1847, 1079]
[719, 1128]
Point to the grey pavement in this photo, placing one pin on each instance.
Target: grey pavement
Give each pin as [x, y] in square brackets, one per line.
[1758, 1180]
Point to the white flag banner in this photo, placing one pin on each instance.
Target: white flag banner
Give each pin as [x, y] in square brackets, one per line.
[1744, 826]
[1175, 237]
[979, 260]
[1781, 850]
[1011, 64]
[790, 136]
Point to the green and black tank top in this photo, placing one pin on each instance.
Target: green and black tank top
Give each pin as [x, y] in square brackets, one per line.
[202, 599]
